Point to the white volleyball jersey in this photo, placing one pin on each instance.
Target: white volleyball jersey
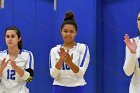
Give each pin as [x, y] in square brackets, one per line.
[65, 76]
[10, 80]
[132, 67]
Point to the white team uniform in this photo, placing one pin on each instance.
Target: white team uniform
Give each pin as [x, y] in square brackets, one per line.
[132, 66]
[65, 76]
[1, 89]
[11, 82]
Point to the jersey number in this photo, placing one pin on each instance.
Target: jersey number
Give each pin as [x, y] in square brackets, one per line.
[11, 74]
[139, 62]
[65, 67]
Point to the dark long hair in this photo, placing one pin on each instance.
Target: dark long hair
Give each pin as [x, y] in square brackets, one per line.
[69, 19]
[137, 24]
[18, 34]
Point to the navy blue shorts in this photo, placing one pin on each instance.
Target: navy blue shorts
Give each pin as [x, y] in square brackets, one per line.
[62, 89]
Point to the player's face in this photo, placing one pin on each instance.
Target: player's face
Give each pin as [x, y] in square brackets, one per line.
[138, 21]
[11, 38]
[68, 33]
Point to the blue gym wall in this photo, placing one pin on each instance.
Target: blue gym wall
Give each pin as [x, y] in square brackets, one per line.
[101, 25]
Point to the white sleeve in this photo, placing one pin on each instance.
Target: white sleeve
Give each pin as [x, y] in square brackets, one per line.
[52, 62]
[84, 61]
[30, 61]
[27, 76]
[130, 62]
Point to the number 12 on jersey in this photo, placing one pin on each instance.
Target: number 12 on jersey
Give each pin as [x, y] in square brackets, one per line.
[11, 74]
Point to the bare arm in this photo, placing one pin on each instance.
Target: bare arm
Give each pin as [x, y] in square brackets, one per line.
[17, 68]
[3, 65]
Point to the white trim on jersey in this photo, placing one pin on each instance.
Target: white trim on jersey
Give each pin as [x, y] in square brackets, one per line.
[65, 76]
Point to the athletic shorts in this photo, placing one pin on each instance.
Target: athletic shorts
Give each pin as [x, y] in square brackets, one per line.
[63, 89]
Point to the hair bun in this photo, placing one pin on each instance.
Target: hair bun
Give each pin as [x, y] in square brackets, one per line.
[69, 16]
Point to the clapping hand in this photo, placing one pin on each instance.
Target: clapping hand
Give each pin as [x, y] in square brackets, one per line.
[4, 63]
[64, 55]
[130, 44]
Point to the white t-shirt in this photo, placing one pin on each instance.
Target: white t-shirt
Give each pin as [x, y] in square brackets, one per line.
[11, 82]
[65, 76]
[132, 67]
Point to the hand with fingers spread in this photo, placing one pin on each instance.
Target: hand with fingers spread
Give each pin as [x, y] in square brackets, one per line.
[68, 58]
[3, 65]
[62, 54]
[130, 44]
[61, 59]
